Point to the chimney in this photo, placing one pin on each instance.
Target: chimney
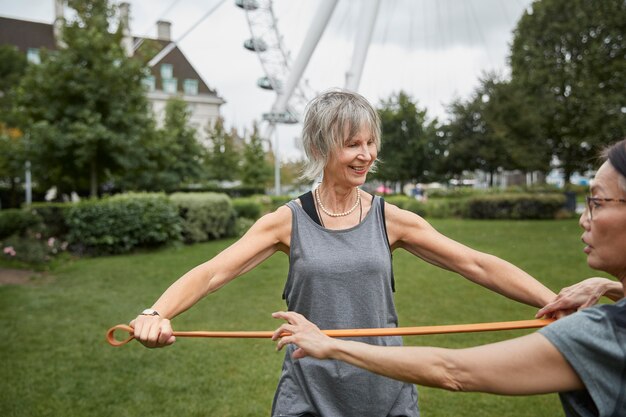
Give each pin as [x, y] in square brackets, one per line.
[164, 30]
[127, 39]
[59, 22]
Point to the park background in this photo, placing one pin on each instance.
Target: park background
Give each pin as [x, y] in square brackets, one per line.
[121, 203]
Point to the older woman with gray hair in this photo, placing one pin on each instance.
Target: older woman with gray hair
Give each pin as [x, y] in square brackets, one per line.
[582, 356]
[339, 241]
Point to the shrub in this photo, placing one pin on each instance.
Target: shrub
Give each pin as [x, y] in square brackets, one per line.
[446, 208]
[17, 221]
[515, 206]
[242, 225]
[121, 223]
[278, 201]
[455, 192]
[204, 215]
[32, 248]
[415, 206]
[247, 207]
[53, 216]
[399, 200]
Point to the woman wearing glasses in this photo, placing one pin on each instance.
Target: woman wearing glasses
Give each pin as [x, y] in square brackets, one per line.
[586, 293]
[582, 356]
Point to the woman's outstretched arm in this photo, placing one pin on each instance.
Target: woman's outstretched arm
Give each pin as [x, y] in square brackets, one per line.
[522, 366]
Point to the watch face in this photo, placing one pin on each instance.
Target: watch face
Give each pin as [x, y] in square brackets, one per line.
[149, 312]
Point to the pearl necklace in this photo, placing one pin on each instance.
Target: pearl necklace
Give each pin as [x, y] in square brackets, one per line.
[345, 213]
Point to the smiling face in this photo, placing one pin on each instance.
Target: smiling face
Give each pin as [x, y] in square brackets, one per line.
[349, 164]
[605, 235]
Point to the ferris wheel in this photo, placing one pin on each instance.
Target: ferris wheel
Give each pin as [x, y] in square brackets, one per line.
[284, 76]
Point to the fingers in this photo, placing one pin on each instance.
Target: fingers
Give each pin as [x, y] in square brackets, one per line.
[283, 330]
[153, 331]
[291, 316]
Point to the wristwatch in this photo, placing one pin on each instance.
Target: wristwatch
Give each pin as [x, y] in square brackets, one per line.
[150, 312]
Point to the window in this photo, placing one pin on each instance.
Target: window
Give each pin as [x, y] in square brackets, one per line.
[167, 71]
[149, 83]
[190, 87]
[32, 55]
[170, 85]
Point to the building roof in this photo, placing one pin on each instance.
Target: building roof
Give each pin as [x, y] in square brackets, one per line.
[182, 68]
[26, 34]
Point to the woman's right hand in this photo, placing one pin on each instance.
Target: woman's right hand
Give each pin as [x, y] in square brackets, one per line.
[153, 331]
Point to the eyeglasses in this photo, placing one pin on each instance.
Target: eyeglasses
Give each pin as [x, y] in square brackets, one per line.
[595, 202]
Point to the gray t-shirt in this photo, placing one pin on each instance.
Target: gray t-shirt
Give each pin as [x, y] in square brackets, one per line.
[593, 341]
[341, 279]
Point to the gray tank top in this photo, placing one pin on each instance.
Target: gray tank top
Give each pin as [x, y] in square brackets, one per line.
[341, 279]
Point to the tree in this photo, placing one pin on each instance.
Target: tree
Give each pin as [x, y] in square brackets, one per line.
[568, 56]
[472, 143]
[409, 141]
[514, 122]
[255, 170]
[172, 155]
[84, 107]
[12, 67]
[495, 129]
[223, 157]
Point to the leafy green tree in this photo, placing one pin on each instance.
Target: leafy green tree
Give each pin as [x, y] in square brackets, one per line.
[291, 173]
[12, 68]
[494, 129]
[514, 123]
[172, 155]
[255, 169]
[408, 141]
[568, 55]
[84, 107]
[472, 143]
[223, 158]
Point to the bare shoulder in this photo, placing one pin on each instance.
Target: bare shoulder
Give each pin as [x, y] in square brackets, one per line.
[397, 217]
[401, 222]
[276, 225]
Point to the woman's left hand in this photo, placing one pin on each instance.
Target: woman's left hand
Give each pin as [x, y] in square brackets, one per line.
[575, 297]
[305, 335]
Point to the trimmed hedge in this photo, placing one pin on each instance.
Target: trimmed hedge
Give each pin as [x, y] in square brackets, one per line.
[204, 216]
[17, 222]
[247, 207]
[515, 206]
[123, 222]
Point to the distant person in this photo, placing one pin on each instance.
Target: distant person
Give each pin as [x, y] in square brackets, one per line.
[582, 356]
[339, 241]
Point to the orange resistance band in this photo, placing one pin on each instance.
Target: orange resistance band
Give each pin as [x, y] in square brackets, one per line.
[390, 331]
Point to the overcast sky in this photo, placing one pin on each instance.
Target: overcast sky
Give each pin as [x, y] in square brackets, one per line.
[435, 50]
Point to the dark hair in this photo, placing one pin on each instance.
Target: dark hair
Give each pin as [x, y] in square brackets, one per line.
[616, 154]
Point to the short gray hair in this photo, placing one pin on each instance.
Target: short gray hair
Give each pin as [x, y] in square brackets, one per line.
[326, 119]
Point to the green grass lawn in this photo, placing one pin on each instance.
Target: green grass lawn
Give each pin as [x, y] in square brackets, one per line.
[55, 361]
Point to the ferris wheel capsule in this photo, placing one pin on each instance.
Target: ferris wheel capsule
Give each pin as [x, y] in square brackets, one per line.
[255, 45]
[247, 4]
[268, 84]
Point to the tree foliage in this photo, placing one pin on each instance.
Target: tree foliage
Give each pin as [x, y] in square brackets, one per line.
[223, 157]
[172, 155]
[409, 141]
[569, 56]
[494, 130]
[255, 169]
[12, 68]
[472, 141]
[84, 107]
